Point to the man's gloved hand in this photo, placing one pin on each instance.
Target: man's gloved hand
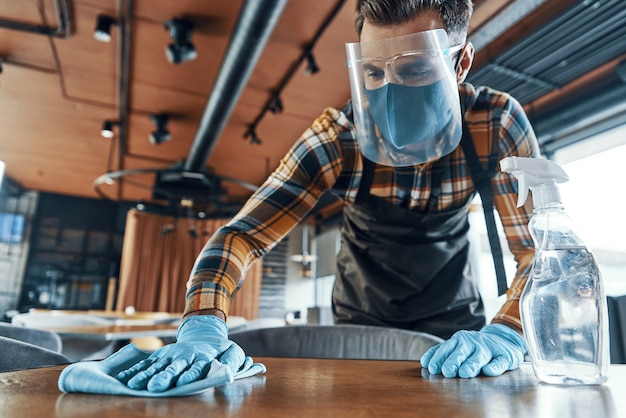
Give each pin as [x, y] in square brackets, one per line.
[200, 340]
[493, 350]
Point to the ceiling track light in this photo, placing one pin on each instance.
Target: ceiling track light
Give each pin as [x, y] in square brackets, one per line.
[102, 32]
[275, 105]
[254, 138]
[161, 134]
[311, 67]
[181, 49]
[167, 229]
[107, 128]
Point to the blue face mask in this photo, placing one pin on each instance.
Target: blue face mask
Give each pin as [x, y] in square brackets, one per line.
[410, 115]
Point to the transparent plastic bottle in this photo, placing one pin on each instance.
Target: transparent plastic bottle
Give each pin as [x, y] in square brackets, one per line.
[563, 306]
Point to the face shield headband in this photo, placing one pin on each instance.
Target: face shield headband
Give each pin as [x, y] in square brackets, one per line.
[405, 98]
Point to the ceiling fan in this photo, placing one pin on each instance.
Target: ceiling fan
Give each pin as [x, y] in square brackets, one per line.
[189, 184]
[201, 192]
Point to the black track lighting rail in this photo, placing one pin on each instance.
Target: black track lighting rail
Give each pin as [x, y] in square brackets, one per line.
[63, 30]
[306, 55]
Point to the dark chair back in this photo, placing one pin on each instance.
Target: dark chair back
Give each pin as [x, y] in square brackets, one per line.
[19, 355]
[41, 338]
[335, 341]
[617, 328]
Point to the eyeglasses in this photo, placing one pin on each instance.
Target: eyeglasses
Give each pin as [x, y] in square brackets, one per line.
[411, 68]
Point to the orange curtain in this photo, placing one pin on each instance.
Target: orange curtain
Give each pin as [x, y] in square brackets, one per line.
[158, 254]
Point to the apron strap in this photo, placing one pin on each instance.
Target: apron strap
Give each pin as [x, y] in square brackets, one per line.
[482, 182]
[367, 177]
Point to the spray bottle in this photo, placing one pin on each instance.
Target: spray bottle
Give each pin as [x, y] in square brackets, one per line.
[563, 306]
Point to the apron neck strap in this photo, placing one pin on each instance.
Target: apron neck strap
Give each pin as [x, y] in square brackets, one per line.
[482, 182]
[367, 178]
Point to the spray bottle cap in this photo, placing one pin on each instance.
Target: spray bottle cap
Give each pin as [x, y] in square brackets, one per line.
[537, 174]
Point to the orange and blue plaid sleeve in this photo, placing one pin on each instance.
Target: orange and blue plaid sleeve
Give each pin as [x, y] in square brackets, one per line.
[512, 135]
[311, 167]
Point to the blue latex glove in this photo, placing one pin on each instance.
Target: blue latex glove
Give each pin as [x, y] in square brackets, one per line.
[493, 350]
[98, 376]
[200, 339]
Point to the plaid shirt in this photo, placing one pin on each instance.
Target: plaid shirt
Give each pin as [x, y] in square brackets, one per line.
[320, 161]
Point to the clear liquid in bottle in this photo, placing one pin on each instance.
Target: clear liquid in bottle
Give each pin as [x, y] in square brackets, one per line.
[563, 310]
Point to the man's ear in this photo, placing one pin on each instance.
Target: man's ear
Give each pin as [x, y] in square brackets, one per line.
[465, 62]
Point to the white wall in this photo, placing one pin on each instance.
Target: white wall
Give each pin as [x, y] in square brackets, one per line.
[300, 292]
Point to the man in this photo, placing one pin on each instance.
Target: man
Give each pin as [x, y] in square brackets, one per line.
[397, 157]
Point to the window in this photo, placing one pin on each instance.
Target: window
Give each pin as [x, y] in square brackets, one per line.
[594, 199]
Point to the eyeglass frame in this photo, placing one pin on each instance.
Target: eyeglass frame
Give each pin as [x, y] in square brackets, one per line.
[390, 62]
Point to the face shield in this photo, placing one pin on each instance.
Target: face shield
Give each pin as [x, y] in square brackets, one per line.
[405, 98]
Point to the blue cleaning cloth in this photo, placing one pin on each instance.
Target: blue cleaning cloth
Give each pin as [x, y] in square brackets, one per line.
[98, 376]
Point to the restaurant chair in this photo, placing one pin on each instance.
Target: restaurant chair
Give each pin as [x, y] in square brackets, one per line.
[41, 338]
[335, 341]
[74, 348]
[617, 328]
[20, 355]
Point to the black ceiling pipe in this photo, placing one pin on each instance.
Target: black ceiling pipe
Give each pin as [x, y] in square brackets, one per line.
[256, 22]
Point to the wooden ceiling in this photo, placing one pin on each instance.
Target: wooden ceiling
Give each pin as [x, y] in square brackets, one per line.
[55, 92]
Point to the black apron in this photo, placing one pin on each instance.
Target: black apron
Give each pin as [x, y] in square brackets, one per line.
[404, 269]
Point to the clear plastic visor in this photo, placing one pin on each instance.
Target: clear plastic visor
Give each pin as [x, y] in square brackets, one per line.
[405, 98]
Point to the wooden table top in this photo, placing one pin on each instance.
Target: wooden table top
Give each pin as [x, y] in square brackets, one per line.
[330, 388]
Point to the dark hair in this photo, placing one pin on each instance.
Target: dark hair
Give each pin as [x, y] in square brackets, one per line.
[455, 14]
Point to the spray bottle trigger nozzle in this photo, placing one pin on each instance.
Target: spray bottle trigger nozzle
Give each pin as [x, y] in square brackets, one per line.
[537, 174]
[522, 193]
